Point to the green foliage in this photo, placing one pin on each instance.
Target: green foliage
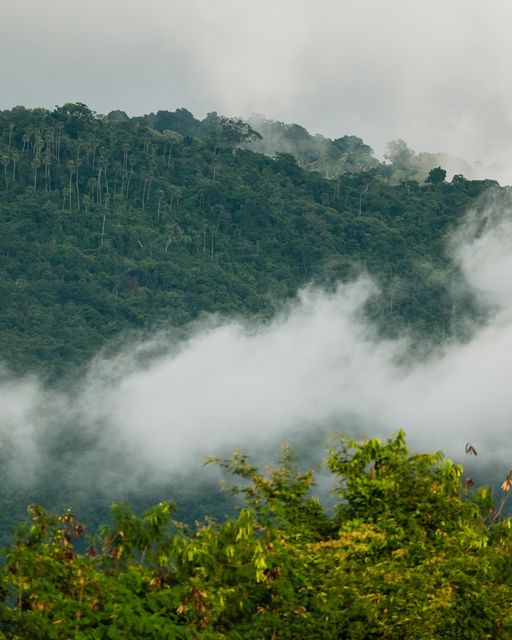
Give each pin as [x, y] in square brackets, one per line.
[378, 477]
[436, 176]
[110, 224]
[281, 498]
[329, 158]
[408, 553]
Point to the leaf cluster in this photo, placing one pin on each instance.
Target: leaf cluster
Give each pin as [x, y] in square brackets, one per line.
[408, 553]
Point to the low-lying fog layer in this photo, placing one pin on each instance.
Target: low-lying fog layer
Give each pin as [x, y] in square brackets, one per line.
[236, 384]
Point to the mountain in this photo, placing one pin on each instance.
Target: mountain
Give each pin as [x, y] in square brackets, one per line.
[111, 224]
[113, 227]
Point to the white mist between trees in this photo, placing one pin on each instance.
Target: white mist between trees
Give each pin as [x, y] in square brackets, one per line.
[236, 384]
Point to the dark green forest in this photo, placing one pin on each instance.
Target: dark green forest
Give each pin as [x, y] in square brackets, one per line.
[110, 224]
[114, 227]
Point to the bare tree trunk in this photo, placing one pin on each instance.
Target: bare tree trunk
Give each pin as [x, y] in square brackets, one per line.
[99, 185]
[103, 230]
[77, 190]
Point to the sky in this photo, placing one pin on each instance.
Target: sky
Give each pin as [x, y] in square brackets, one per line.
[436, 73]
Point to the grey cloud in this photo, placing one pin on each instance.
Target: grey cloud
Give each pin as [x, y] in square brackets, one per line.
[434, 74]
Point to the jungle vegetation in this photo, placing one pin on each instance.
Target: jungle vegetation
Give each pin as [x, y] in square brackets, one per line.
[410, 550]
[111, 223]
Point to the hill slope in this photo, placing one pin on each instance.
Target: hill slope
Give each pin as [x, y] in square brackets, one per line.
[110, 223]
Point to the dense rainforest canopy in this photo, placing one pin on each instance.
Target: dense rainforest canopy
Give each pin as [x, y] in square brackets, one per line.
[111, 224]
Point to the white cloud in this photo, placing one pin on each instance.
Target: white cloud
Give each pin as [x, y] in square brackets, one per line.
[434, 74]
[251, 386]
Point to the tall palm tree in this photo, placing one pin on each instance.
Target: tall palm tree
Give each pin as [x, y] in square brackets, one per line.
[78, 163]
[26, 141]
[36, 163]
[12, 126]
[125, 147]
[71, 171]
[59, 126]
[47, 161]
[5, 160]
[15, 158]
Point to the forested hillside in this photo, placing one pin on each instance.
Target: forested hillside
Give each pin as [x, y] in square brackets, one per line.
[112, 226]
[110, 223]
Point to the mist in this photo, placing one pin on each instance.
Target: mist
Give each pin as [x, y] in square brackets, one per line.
[154, 410]
[429, 73]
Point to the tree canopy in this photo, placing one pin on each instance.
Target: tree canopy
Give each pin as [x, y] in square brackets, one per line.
[436, 176]
[408, 552]
[110, 223]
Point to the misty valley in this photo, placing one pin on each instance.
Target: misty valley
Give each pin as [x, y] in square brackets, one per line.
[231, 355]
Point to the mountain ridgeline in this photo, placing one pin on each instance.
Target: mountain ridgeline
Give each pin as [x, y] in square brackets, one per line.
[111, 223]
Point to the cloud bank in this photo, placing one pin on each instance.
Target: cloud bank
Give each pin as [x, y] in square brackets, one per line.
[433, 73]
[161, 405]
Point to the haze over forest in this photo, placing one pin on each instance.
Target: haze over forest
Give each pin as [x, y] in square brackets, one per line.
[432, 73]
[432, 76]
[170, 292]
[434, 82]
[225, 225]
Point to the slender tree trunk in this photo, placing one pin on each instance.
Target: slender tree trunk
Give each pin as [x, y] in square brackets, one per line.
[99, 185]
[103, 230]
[128, 184]
[77, 190]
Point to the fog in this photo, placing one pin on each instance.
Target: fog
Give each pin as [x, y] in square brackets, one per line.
[162, 403]
[434, 74]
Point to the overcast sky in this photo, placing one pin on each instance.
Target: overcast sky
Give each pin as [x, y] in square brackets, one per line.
[435, 73]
